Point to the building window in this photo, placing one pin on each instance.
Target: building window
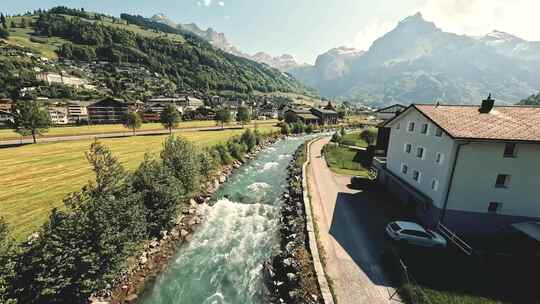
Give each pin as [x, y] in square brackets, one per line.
[510, 150]
[424, 129]
[420, 152]
[398, 126]
[438, 132]
[434, 184]
[408, 148]
[494, 207]
[417, 176]
[411, 126]
[439, 158]
[404, 168]
[502, 181]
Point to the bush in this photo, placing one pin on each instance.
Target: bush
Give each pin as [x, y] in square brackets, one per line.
[39, 40]
[285, 129]
[182, 157]
[298, 128]
[208, 164]
[161, 192]
[224, 157]
[4, 34]
[249, 139]
[237, 149]
[309, 129]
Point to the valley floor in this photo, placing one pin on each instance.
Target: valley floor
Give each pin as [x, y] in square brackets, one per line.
[36, 178]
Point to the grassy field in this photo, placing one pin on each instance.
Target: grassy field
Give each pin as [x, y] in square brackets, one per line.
[35, 178]
[7, 134]
[341, 160]
[353, 139]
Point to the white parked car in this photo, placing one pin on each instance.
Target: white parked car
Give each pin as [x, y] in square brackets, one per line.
[414, 234]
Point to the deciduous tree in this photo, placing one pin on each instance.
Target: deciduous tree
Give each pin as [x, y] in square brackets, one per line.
[29, 118]
[223, 116]
[170, 117]
[243, 116]
[133, 121]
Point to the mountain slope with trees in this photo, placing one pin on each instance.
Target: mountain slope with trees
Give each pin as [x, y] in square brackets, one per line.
[187, 60]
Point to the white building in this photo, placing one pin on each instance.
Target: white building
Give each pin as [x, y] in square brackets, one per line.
[5, 118]
[51, 78]
[59, 115]
[474, 169]
[77, 112]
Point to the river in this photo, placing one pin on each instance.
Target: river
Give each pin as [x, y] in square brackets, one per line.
[223, 262]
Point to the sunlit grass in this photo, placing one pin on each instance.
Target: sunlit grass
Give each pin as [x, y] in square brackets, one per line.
[35, 178]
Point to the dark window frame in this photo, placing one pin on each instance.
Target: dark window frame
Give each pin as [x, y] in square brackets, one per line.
[510, 150]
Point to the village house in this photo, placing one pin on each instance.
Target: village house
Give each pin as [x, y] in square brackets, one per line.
[77, 111]
[302, 115]
[6, 105]
[108, 111]
[59, 115]
[389, 112]
[5, 118]
[52, 78]
[475, 170]
[327, 115]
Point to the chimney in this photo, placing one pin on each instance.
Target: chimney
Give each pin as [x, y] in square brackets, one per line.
[487, 105]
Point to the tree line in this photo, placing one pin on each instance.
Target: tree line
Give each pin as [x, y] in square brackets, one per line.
[193, 63]
[83, 247]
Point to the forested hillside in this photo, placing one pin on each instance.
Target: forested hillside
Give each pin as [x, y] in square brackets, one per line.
[188, 61]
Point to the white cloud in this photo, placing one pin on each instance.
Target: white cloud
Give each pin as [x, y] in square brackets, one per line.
[204, 2]
[479, 17]
[374, 29]
[221, 3]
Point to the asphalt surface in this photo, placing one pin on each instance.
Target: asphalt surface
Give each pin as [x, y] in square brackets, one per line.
[351, 228]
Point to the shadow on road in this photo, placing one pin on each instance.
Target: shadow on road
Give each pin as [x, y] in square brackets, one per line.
[358, 225]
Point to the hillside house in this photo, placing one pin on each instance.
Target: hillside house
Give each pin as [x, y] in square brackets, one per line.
[327, 115]
[474, 169]
[5, 118]
[303, 115]
[107, 111]
[77, 111]
[6, 105]
[390, 112]
[59, 115]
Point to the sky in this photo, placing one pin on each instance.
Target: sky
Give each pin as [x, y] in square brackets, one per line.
[308, 28]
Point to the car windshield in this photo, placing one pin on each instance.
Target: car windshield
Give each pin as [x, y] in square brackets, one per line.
[395, 227]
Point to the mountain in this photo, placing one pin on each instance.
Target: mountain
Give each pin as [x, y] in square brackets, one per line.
[418, 62]
[284, 62]
[175, 55]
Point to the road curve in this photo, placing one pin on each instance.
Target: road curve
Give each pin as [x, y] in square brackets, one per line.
[347, 232]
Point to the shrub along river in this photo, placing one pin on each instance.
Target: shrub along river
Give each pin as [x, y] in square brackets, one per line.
[223, 262]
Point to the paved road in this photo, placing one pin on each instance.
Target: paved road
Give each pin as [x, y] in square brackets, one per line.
[111, 135]
[351, 230]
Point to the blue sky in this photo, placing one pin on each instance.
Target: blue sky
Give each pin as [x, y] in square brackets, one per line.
[307, 28]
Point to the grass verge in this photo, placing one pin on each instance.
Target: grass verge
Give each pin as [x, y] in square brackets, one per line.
[345, 161]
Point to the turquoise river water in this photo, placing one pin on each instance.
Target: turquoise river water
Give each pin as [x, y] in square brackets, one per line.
[223, 262]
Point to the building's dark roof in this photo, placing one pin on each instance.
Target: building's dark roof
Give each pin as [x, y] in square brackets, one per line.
[324, 111]
[397, 105]
[299, 111]
[109, 102]
[307, 116]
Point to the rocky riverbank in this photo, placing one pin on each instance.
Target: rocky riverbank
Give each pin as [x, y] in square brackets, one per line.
[156, 253]
[290, 275]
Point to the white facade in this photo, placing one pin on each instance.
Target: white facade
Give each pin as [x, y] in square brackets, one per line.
[5, 118]
[59, 116]
[473, 191]
[427, 166]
